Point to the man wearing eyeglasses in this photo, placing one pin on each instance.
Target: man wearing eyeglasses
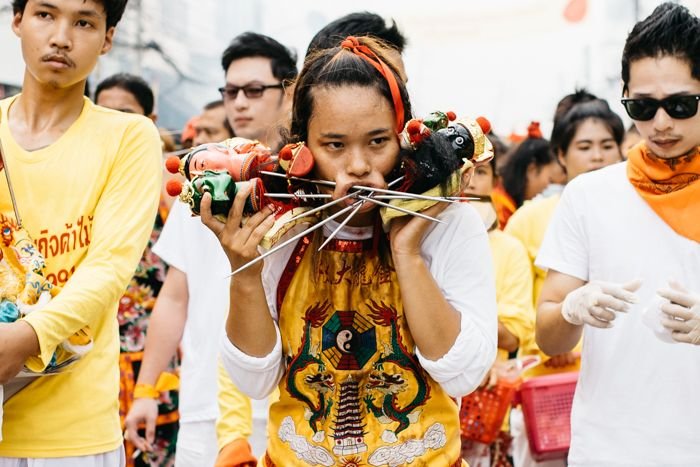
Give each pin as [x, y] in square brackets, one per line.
[258, 92]
[623, 254]
[193, 302]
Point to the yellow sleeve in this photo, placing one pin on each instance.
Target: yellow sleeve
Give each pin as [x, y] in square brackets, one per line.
[514, 289]
[122, 223]
[235, 412]
[519, 227]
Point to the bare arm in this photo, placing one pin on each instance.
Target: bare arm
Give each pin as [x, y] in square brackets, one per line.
[506, 339]
[165, 326]
[249, 325]
[555, 335]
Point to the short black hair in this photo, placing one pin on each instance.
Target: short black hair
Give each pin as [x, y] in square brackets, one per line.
[132, 84]
[358, 24]
[214, 104]
[671, 30]
[251, 44]
[114, 9]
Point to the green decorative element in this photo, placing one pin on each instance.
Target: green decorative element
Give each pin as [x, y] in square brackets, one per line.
[390, 385]
[436, 121]
[223, 190]
[321, 382]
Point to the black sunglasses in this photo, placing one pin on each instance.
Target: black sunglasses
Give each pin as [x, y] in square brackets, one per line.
[251, 91]
[680, 106]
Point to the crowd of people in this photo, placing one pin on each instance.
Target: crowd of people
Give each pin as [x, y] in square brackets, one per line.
[356, 344]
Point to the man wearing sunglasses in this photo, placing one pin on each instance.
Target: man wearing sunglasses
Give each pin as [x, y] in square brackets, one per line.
[258, 92]
[623, 260]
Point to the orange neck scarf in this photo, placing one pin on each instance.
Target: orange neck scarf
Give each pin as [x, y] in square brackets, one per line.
[671, 188]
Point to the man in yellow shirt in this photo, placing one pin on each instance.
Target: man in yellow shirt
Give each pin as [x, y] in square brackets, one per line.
[86, 181]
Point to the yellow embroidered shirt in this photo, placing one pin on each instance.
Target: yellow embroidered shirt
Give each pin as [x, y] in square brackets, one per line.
[88, 200]
[354, 390]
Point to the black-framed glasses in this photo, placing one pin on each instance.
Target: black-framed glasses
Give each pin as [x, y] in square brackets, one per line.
[251, 91]
[680, 106]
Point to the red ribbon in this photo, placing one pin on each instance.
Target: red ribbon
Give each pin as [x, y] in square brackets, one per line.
[352, 44]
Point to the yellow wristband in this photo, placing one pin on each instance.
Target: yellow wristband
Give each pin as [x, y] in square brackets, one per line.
[166, 382]
[146, 391]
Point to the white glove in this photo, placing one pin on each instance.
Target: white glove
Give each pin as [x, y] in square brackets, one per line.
[597, 302]
[683, 312]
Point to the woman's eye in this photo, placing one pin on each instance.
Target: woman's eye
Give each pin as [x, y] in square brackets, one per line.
[334, 145]
[377, 141]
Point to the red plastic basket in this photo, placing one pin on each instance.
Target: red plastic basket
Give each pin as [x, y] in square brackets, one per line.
[546, 402]
[482, 412]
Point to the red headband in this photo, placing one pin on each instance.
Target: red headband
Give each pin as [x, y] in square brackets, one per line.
[352, 44]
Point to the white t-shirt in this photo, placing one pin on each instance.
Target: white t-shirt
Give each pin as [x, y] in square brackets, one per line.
[638, 398]
[191, 247]
[458, 256]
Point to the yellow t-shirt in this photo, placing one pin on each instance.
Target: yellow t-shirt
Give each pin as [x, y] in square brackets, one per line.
[529, 224]
[88, 201]
[513, 286]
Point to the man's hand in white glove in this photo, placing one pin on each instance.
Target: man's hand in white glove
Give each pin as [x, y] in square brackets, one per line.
[597, 302]
[683, 314]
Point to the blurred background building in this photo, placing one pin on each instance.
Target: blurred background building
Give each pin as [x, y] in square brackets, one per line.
[510, 60]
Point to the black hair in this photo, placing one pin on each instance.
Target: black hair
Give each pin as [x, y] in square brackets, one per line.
[514, 172]
[566, 126]
[135, 85]
[114, 9]
[215, 105]
[567, 102]
[251, 44]
[358, 24]
[671, 30]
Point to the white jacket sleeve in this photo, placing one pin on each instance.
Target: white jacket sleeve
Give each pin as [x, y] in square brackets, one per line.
[459, 258]
[255, 376]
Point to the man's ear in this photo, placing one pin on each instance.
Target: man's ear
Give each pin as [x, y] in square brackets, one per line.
[109, 38]
[153, 116]
[16, 20]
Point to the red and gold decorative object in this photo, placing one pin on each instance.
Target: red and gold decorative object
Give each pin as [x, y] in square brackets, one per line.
[296, 160]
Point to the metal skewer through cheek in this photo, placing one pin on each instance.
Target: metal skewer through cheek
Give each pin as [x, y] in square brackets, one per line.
[403, 210]
[355, 207]
[355, 211]
[294, 238]
[358, 205]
